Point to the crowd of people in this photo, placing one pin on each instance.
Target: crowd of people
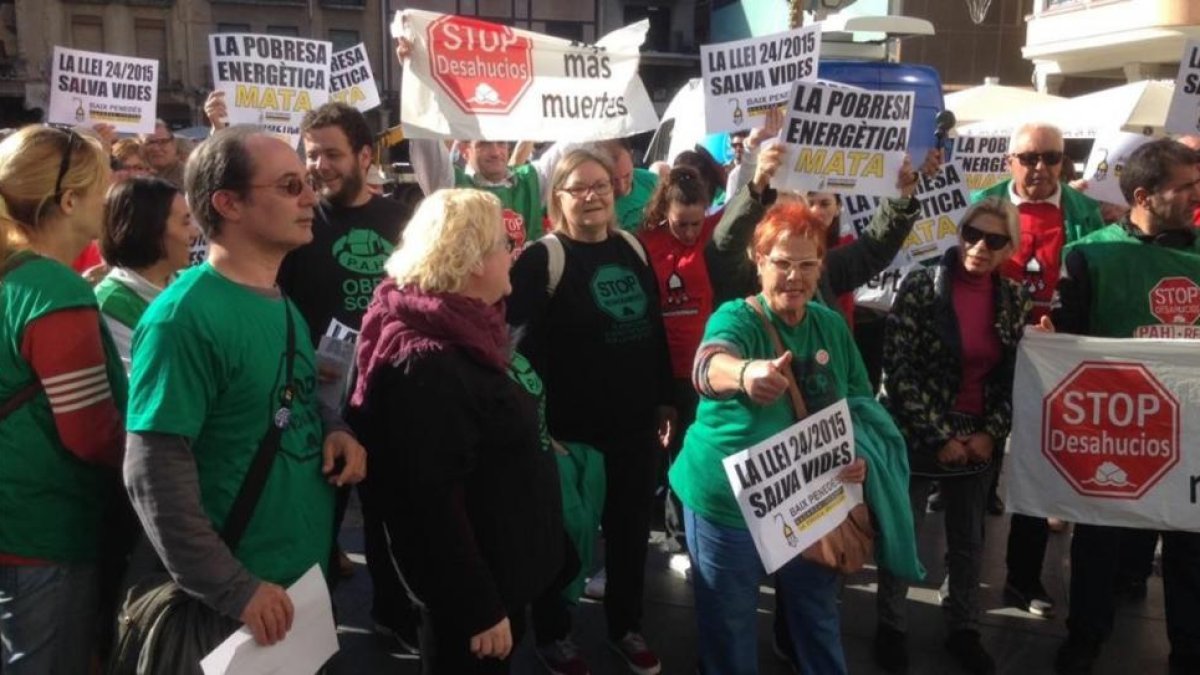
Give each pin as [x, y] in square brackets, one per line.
[517, 366]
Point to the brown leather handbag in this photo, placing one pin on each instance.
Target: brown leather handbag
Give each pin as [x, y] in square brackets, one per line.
[852, 543]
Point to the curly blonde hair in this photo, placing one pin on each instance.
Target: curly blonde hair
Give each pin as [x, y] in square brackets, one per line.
[447, 238]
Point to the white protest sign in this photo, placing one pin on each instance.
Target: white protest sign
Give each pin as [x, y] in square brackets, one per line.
[1103, 432]
[983, 159]
[944, 199]
[850, 141]
[469, 79]
[744, 79]
[270, 80]
[351, 80]
[1183, 117]
[788, 488]
[1104, 165]
[91, 88]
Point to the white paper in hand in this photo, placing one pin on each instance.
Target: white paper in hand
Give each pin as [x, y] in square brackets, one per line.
[310, 643]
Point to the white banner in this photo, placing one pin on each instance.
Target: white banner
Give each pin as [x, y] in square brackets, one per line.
[1104, 165]
[944, 201]
[983, 159]
[1183, 117]
[744, 79]
[270, 80]
[351, 80]
[1104, 431]
[91, 88]
[469, 79]
[849, 141]
[788, 487]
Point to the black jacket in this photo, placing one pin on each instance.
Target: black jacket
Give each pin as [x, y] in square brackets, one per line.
[922, 360]
[467, 489]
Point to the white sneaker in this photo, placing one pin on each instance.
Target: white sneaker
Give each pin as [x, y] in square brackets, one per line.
[596, 585]
[680, 563]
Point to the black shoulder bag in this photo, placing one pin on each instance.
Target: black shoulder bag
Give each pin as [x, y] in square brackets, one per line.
[162, 629]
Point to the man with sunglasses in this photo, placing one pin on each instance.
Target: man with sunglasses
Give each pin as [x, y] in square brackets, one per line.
[1106, 291]
[1052, 215]
[219, 359]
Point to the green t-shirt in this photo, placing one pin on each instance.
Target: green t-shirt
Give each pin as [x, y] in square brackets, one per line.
[631, 209]
[522, 200]
[208, 365]
[827, 367]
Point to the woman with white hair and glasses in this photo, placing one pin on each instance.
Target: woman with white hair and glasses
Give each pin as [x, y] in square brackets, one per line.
[462, 473]
[62, 399]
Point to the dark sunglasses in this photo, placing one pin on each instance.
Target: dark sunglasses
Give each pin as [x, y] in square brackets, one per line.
[971, 235]
[73, 139]
[1030, 159]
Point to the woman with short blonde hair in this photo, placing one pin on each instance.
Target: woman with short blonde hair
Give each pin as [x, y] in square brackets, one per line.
[62, 399]
[462, 475]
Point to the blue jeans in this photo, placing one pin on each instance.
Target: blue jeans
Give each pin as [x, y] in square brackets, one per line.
[726, 572]
[47, 618]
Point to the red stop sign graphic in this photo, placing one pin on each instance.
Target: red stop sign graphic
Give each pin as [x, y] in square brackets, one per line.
[1111, 429]
[1175, 300]
[484, 67]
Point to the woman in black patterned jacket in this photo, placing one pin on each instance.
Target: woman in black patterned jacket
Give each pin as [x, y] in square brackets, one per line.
[949, 350]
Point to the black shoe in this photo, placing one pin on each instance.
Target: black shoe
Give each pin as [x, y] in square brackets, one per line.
[968, 651]
[1035, 600]
[891, 652]
[1076, 656]
[995, 505]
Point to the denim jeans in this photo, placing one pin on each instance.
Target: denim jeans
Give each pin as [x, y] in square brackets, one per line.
[726, 572]
[47, 618]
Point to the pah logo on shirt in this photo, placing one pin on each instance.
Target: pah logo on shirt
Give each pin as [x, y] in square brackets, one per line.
[362, 251]
[618, 293]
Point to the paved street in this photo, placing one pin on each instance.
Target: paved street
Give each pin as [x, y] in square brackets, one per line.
[1022, 645]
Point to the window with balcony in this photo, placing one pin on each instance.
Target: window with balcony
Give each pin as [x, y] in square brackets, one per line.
[658, 38]
[87, 33]
[233, 27]
[151, 38]
[343, 38]
[569, 30]
[289, 31]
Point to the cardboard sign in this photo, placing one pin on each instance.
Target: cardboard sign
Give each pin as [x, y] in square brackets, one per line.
[1107, 161]
[788, 487]
[270, 80]
[351, 80]
[1101, 433]
[469, 79]
[92, 88]
[983, 160]
[746, 78]
[849, 141]
[944, 201]
[1183, 117]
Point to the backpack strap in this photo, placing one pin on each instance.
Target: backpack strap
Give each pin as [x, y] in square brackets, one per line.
[556, 257]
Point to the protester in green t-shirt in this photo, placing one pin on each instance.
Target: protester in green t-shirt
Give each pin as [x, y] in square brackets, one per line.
[210, 374]
[740, 377]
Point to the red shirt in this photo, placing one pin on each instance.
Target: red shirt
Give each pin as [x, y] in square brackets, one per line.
[684, 290]
[1037, 262]
[975, 307]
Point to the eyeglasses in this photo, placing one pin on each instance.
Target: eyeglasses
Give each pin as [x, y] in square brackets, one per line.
[73, 139]
[293, 187]
[600, 189]
[971, 235]
[1030, 159]
[158, 141]
[807, 267]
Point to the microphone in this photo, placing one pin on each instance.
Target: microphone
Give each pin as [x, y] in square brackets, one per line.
[945, 121]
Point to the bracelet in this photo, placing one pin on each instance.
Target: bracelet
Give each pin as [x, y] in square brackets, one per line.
[742, 376]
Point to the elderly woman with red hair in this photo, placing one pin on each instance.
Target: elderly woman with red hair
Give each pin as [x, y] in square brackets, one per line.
[742, 384]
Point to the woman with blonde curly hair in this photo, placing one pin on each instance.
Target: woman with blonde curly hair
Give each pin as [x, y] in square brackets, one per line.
[62, 399]
[462, 473]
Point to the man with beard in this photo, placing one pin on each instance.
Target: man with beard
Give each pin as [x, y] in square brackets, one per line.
[332, 280]
[1106, 291]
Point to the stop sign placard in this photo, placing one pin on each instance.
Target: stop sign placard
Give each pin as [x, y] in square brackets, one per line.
[1111, 429]
[1175, 300]
[484, 67]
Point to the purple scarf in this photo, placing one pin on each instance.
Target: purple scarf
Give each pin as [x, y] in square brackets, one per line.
[402, 321]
